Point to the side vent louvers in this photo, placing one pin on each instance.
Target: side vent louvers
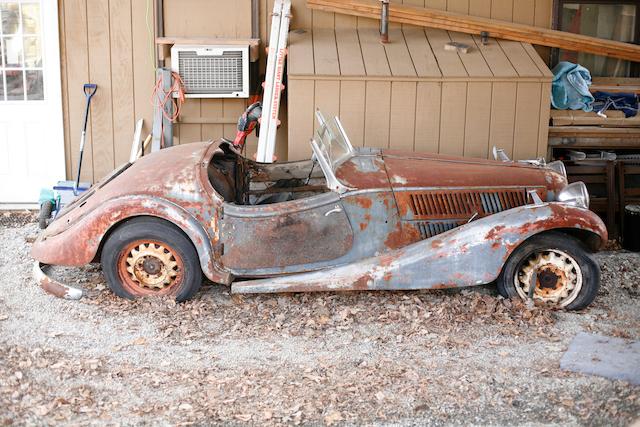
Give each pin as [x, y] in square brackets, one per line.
[464, 204]
[432, 228]
[435, 212]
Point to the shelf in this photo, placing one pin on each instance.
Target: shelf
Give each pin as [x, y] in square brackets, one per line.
[254, 44]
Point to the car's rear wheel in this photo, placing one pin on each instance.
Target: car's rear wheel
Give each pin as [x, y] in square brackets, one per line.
[149, 256]
[554, 269]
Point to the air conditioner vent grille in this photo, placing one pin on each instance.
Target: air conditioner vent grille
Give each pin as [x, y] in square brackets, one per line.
[211, 73]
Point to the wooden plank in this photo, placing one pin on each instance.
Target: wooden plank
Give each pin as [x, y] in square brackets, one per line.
[398, 55]
[519, 58]
[543, 125]
[535, 57]
[480, 8]
[373, 53]
[64, 86]
[325, 53]
[327, 98]
[254, 44]
[235, 23]
[496, 58]
[190, 132]
[349, 53]
[212, 108]
[101, 104]
[122, 72]
[502, 10]
[524, 11]
[323, 20]
[405, 14]
[503, 107]
[449, 61]
[458, 6]
[427, 134]
[527, 121]
[301, 112]
[77, 60]
[143, 65]
[477, 120]
[302, 16]
[377, 114]
[402, 115]
[352, 102]
[300, 60]
[231, 108]
[543, 13]
[436, 4]
[422, 56]
[452, 118]
[473, 61]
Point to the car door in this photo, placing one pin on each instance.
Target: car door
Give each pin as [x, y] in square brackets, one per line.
[284, 237]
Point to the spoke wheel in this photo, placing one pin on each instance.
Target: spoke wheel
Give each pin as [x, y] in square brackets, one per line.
[557, 275]
[148, 267]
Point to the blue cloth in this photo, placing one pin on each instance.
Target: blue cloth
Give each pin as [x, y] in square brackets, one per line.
[570, 87]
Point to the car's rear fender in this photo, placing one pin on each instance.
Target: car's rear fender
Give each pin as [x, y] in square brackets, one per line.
[79, 243]
[468, 255]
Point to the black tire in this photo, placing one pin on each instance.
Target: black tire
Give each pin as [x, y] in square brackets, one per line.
[541, 244]
[171, 254]
[45, 214]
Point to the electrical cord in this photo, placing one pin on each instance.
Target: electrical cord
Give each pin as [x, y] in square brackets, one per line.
[160, 98]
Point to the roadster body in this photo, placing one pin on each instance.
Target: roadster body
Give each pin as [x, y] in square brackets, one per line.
[348, 219]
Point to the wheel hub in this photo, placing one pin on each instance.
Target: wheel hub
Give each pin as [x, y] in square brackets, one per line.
[151, 265]
[558, 278]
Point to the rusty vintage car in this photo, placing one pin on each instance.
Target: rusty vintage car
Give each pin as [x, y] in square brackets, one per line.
[348, 219]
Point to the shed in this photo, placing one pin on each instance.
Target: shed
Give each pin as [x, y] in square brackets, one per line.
[412, 94]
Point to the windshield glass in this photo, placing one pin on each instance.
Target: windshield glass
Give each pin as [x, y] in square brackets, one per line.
[331, 147]
[332, 141]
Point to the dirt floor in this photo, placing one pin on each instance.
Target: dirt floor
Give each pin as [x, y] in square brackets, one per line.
[388, 358]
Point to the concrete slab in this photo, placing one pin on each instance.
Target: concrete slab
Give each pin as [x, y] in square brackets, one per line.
[608, 357]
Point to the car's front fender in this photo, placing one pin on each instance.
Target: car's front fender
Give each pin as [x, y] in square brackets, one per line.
[468, 255]
[78, 244]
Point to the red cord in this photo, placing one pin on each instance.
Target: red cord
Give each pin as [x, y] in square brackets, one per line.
[160, 98]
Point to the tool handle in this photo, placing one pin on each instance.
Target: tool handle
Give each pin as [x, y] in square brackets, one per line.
[90, 89]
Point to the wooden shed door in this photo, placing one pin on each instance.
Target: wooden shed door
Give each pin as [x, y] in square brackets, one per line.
[31, 129]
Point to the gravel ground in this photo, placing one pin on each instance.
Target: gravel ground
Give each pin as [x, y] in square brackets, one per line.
[387, 358]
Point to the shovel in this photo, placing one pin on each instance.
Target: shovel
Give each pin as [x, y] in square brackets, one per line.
[89, 90]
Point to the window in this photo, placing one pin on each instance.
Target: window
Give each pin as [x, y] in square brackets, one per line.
[21, 51]
[613, 20]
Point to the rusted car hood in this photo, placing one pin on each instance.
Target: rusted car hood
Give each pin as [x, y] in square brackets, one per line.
[407, 169]
[171, 173]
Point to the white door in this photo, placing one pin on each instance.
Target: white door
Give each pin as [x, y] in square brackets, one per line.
[31, 129]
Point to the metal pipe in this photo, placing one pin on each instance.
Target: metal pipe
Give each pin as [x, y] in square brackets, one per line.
[159, 26]
[255, 19]
[384, 21]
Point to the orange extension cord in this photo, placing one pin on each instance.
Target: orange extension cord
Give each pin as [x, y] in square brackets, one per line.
[160, 98]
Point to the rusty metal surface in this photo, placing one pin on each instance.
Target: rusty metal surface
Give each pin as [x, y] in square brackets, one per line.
[413, 170]
[52, 286]
[294, 233]
[170, 184]
[468, 255]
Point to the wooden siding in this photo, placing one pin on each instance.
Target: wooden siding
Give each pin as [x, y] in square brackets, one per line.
[108, 42]
[412, 94]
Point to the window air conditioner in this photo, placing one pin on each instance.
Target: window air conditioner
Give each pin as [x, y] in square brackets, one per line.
[212, 71]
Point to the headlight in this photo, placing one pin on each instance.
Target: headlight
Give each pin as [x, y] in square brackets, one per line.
[575, 194]
[558, 166]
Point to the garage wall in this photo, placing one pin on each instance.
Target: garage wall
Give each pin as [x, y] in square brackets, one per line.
[106, 42]
[110, 42]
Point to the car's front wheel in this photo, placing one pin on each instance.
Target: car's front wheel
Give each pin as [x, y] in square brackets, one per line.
[149, 256]
[552, 268]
